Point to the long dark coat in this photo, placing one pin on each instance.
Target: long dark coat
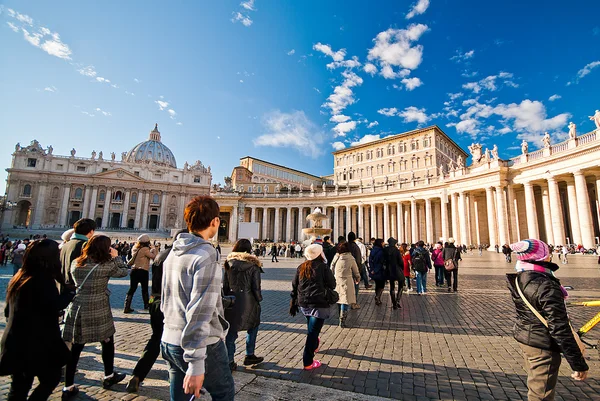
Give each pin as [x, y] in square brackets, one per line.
[89, 318]
[394, 265]
[242, 279]
[31, 342]
[377, 263]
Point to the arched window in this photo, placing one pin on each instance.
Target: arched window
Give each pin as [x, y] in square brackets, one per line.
[102, 196]
[78, 193]
[134, 197]
[155, 198]
[55, 192]
[27, 190]
[118, 196]
[249, 189]
[259, 189]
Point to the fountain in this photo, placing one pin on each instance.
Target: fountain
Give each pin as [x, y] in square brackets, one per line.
[316, 231]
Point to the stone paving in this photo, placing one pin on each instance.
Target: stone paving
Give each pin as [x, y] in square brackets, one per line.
[449, 346]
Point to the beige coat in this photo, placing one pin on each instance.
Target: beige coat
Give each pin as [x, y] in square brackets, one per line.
[143, 256]
[346, 272]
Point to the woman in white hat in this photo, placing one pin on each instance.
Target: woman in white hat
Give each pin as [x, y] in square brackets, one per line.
[17, 257]
[312, 282]
[142, 254]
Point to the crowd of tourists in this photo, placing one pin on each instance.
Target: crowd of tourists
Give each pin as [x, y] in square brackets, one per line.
[58, 302]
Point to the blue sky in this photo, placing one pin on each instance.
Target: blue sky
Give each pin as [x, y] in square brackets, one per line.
[290, 81]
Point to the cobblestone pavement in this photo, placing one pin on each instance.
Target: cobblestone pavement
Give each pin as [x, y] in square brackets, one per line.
[449, 346]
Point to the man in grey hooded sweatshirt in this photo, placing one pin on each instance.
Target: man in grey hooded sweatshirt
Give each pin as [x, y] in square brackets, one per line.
[194, 326]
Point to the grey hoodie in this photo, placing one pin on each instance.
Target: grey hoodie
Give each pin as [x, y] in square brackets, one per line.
[191, 300]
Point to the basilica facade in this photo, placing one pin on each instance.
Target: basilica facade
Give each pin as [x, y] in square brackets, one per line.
[411, 186]
[144, 190]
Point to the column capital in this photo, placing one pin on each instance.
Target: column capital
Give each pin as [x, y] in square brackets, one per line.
[551, 179]
[578, 173]
[528, 184]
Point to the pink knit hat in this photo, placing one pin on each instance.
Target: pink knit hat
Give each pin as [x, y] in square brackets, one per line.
[531, 249]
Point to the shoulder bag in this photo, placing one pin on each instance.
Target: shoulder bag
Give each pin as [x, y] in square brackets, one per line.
[450, 264]
[331, 295]
[544, 321]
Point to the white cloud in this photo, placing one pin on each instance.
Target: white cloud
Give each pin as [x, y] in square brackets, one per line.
[317, 90]
[460, 56]
[418, 8]
[292, 130]
[373, 124]
[178, 123]
[326, 49]
[339, 118]
[26, 19]
[87, 114]
[468, 74]
[172, 113]
[129, 93]
[454, 96]
[554, 97]
[55, 47]
[342, 129]
[531, 116]
[353, 63]
[291, 52]
[33, 38]
[248, 5]
[12, 26]
[412, 114]
[103, 112]
[490, 83]
[370, 68]
[389, 112]
[338, 145]
[162, 104]
[470, 126]
[244, 19]
[103, 80]
[342, 95]
[587, 69]
[412, 83]
[137, 81]
[366, 139]
[50, 89]
[88, 71]
[393, 47]
[241, 81]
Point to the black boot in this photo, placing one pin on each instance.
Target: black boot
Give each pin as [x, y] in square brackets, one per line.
[127, 308]
[399, 298]
[378, 297]
[145, 298]
[343, 317]
[393, 296]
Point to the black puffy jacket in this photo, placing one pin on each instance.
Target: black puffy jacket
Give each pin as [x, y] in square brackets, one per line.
[310, 293]
[242, 279]
[544, 293]
[395, 265]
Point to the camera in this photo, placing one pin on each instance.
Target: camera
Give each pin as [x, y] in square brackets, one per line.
[228, 301]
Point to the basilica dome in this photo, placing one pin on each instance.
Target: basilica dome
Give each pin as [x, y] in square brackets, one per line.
[152, 150]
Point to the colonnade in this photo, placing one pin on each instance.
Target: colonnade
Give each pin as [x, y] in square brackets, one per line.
[557, 209]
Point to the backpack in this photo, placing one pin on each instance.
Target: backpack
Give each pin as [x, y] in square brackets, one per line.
[419, 262]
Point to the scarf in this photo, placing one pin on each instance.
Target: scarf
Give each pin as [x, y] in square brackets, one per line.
[540, 267]
[79, 236]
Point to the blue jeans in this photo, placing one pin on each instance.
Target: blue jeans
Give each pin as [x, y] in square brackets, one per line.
[344, 308]
[232, 335]
[218, 380]
[314, 325]
[439, 274]
[421, 282]
[364, 275]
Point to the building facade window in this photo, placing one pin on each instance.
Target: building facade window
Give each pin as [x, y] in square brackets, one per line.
[155, 199]
[102, 196]
[134, 197]
[80, 168]
[196, 179]
[27, 190]
[79, 193]
[31, 162]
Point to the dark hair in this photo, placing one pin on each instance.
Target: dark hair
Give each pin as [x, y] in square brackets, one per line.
[84, 226]
[41, 257]
[200, 212]
[326, 238]
[351, 237]
[420, 243]
[306, 269]
[343, 247]
[378, 242]
[341, 238]
[97, 249]
[242, 245]
[403, 248]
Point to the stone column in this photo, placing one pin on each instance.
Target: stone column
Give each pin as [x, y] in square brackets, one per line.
[233, 223]
[264, 223]
[502, 222]
[585, 211]
[125, 209]
[361, 222]
[138, 209]
[444, 216]
[348, 220]
[413, 221]
[455, 219]
[400, 224]
[336, 223]
[276, 226]
[546, 212]
[86, 201]
[288, 224]
[182, 204]
[386, 221]
[573, 213]
[252, 214]
[462, 219]
[373, 232]
[146, 209]
[556, 216]
[533, 230]
[163, 212]
[93, 201]
[64, 208]
[475, 205]
[428, 221]
[38, 217]
[105, 213]
[513, 215]
[491, 215]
